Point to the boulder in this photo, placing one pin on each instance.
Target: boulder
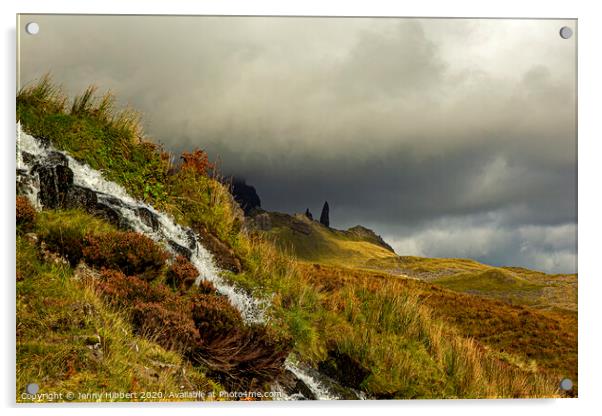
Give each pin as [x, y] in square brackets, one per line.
[55, 181]
[294, 386]
[80, 197]
[180, 249]
[148, 218]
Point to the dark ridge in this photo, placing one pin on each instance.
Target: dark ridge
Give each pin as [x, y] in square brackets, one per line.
[245, 195]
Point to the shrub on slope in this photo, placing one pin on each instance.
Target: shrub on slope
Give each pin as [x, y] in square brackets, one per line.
[69, 340]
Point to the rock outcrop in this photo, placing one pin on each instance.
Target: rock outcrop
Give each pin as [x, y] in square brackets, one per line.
[324, 217]
[56, 189]
[308, 214]
[245, 195]
[366, 234]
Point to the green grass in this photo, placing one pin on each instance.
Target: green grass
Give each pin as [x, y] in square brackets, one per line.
[68, 340]
[516, 285]
[539, 341]
[91, 134]
[495, 283]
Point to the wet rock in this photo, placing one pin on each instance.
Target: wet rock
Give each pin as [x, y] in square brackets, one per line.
[179, 249]
[301, 388]
[223, 254]
[24, 182]
[293, 386]
[346, 370]
[191, 236]
[148, 218]
[110, 214]
[111, 200]
[43, 141]
[56, 158]
[55, 182]
[28, 158]
[80, 197]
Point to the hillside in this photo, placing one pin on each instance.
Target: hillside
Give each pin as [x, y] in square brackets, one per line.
[528, 317]
[311, 241]
[361, 248]
[170, 258]
[511, 284]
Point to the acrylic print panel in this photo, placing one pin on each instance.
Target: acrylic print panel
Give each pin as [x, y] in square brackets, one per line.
[271, 208]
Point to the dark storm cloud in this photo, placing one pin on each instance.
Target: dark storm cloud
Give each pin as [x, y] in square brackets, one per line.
[450, 138]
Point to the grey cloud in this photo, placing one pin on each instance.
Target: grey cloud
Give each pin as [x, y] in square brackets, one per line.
[555, 249]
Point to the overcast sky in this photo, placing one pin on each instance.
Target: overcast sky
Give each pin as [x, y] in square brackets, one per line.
[450, 138]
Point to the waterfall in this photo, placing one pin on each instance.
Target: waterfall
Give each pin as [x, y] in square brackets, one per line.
[164, 231]
[317, 388]
[167, 232]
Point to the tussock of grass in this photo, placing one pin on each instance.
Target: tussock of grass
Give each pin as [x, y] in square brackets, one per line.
[93, 132]
[398, 333]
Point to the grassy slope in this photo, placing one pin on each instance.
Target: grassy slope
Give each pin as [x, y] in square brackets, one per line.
[517, 333]
[324, 245]
[534, 325]
[512, 284]
[338, 248]
[60, 320]
[386, 326]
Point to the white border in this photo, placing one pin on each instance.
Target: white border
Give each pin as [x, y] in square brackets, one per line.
[590, 158]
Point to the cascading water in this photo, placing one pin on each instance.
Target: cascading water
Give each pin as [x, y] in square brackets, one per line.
[317, 388]
[167, 231]
[164, 230]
